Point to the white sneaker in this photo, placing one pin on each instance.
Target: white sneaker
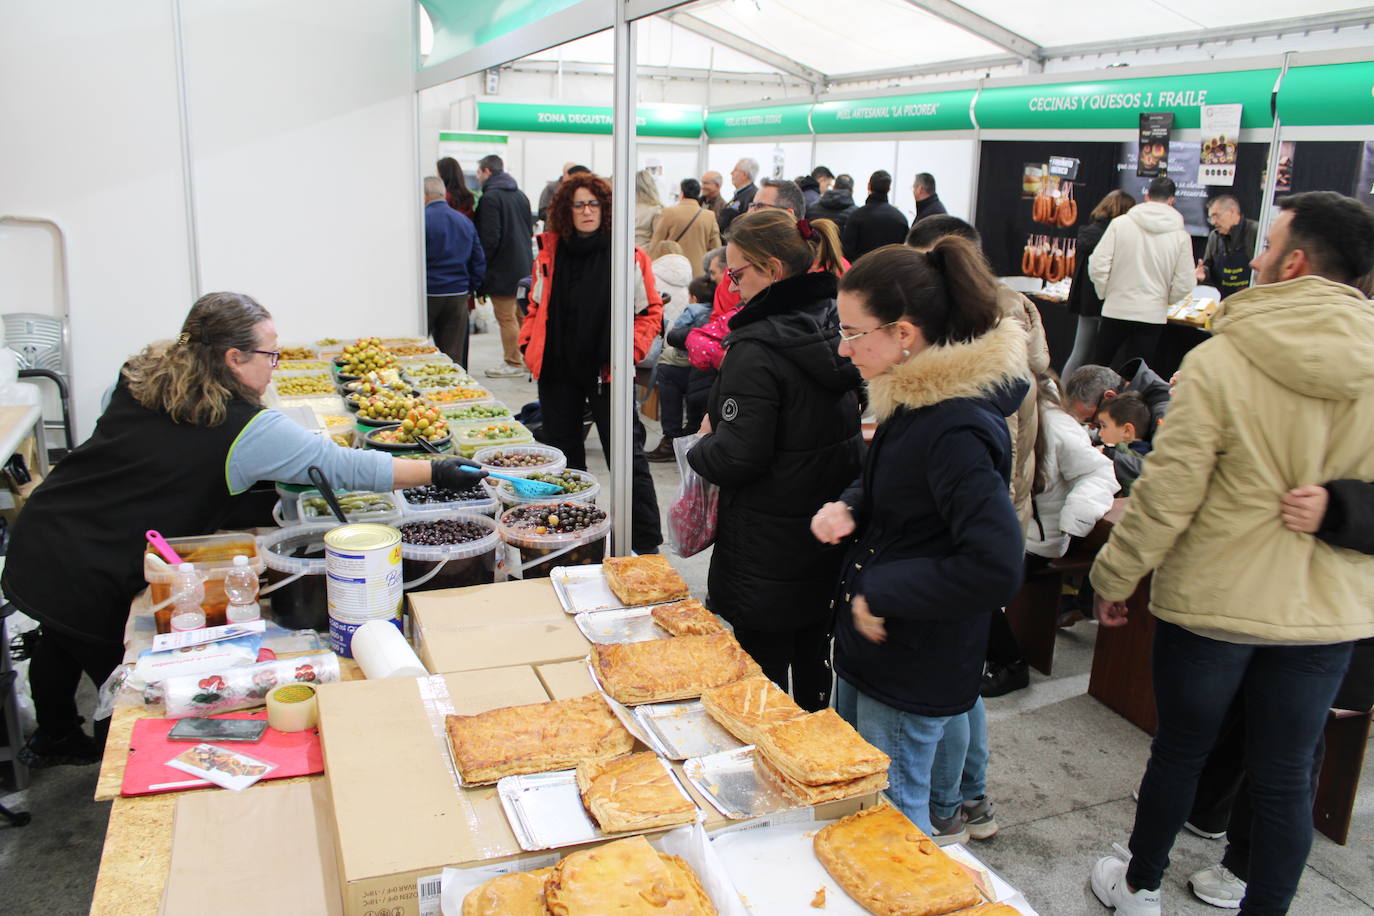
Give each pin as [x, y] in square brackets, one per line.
[1218, 886]
[1108, 880]
[505, 372]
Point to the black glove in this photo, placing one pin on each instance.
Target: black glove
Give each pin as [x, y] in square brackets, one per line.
[456, 473]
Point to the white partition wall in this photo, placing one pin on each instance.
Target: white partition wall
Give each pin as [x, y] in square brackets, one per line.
[952, 162]
[91, 142]
[794, 155]
[307, 199]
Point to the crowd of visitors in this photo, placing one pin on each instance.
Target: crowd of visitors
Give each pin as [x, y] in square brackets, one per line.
[774, 316]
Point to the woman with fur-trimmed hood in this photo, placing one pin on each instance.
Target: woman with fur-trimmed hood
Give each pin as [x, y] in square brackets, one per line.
[936, 546]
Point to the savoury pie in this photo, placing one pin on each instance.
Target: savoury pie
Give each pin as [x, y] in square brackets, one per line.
[890, 867]
[669, 669]
[519, 893]
[633, 792]
[646, 579]
[990, 909]
[687, 618]
[627, 876]
[803, 794]
[820, 748]
[535, 738]
[745, 708]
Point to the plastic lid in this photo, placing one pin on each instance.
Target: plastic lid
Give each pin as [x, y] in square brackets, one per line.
[276, 547]
[508, 497]
[188, 569]
[240, 560]
[525, 537]
[556, 461]
[483, 545]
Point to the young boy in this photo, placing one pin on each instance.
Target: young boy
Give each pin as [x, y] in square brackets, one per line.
[1123, 421]
[679, 384]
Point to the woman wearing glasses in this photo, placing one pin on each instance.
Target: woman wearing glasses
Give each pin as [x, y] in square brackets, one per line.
[783, 438]
[184, 435]
[935, 544]
[566, 336]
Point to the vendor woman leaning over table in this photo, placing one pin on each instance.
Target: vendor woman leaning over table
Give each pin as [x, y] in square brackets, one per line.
[937, 545]
[184, 435]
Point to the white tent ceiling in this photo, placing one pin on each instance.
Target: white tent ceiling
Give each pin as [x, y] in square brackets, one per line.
[825, 41]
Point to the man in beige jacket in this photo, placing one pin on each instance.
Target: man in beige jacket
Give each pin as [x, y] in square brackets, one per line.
[1282, 396]
[689, 224]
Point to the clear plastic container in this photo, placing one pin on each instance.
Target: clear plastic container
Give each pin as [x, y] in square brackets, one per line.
[322, 380]
[462, 413]
[504, 492]
[484, 506]
[553, 459]
[383, 508]
[213, 556]
[537, 554]
[450, 565]
[447, 397]
[308, 365]
[301, 604]
[469, 440]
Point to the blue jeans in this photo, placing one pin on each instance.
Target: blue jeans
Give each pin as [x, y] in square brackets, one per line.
[1287, 692]
[672, 396]
[910, 740]
[960, 771]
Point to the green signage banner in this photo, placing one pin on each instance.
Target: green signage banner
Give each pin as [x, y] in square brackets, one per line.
[1119, 103]
[653, 120]
[1328, 94]
[777, 121]
[461, 25]
[927, 111]
[453, 136]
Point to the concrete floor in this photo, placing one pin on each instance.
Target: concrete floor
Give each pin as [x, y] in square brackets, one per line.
[1062, 771]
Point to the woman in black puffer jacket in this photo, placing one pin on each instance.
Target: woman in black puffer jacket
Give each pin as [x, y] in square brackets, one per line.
[783, 423]
[936, 545]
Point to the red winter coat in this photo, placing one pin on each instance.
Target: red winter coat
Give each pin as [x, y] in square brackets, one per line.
[648, 306]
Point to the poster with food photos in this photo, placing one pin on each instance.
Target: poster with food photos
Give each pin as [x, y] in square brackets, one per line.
[1155, 128]
[1220, 142]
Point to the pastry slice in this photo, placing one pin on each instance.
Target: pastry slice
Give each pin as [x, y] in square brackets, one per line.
[687, 618]
[890, 867]
[820, 748]
[519, 893]
[535, 738]
[990, 909]
[747, 707]
[669, 669]
[633, 792]
[803, 794]
[647, 579]
[627, 876]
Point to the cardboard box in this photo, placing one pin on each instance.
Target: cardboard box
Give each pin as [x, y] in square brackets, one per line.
[398, 814]
[565, 680]
[493, 626]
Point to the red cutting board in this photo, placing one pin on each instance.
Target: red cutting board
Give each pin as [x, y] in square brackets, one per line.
[147, 773]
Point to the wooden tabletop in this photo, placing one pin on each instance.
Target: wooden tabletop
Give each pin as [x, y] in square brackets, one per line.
[16, 424]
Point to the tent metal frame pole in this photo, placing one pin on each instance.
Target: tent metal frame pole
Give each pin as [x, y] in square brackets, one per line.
[188, 161]
[1271, 174]
[622, 285]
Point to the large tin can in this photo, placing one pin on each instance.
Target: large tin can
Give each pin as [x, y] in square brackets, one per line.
[362, 579]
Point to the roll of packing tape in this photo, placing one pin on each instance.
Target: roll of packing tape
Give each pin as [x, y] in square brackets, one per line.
[293, 708]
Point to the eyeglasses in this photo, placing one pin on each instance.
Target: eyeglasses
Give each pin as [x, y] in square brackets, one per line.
[760, 205]
[273, 356]
[850, 338]
[734, 272]
[586, 205]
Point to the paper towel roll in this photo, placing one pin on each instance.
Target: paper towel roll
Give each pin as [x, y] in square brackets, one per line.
[243, 687]
[381, 651]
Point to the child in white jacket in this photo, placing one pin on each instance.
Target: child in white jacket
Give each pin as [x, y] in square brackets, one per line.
[1074, 488]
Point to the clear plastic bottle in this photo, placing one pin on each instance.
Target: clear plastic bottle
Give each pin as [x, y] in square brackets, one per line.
[241, 587]
[188, 596]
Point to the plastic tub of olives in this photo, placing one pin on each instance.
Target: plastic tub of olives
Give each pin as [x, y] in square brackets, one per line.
[448, 550]
[521, 460]
[578, 487]
[553, 534]
[428, 501]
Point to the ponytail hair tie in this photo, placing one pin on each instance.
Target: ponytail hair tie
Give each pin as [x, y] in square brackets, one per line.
[804, 227]
[935, 257]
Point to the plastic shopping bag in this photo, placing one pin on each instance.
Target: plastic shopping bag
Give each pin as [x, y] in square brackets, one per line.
[692, 516]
